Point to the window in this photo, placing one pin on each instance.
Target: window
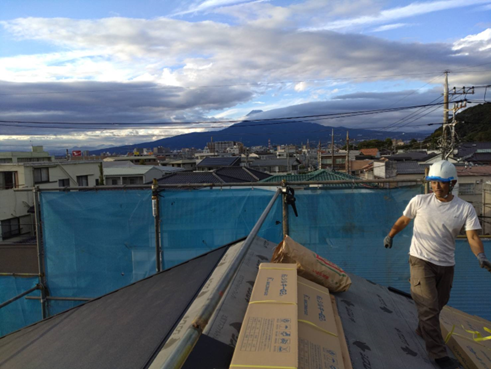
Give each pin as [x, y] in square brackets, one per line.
[82, 181]
[466, 188]
[64, 182]
[132, 180]
[114, 181]
[41, 175]
[30, 160]
[8, 180]
[10, 228]
[8, 160]
[340, 161]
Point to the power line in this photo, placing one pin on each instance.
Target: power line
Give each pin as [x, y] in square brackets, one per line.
[273, 121]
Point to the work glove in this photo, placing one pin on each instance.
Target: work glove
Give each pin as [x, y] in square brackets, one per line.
[484, 262]
[388, 242]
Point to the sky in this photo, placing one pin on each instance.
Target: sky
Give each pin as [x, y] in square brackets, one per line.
[92, 74]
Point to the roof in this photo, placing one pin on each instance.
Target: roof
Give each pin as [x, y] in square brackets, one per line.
[369, 152]
[123, 329]
[316, 176]
[190, 177]
[480, 158]
[53, 163]
[393, 344]
[412, 156]
[219, 162]
[274, 162]
[484, 170]
[466, 149]
[359, 164]
[222, 175]
[122, 171]
[242, 174]
[409, 167]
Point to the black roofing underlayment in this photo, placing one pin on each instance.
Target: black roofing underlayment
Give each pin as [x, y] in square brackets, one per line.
[123, 329]
[379, 326]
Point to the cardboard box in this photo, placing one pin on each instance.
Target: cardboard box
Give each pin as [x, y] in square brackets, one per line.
[471, 354]
[318, 345]
[269, 333]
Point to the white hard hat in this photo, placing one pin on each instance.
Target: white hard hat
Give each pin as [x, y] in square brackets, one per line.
[442, 171]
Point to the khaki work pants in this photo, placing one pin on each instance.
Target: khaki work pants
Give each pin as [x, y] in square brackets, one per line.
[430, 290]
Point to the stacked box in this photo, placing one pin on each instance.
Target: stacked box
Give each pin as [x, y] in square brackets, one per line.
[456, 326]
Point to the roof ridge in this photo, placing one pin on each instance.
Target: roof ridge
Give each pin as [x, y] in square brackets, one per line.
[247, 171]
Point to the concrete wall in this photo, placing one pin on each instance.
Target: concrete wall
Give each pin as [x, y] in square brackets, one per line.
[67, 171]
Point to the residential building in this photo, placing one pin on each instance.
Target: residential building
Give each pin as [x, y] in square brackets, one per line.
[373, 153]
[134, 174]
[276, 166]
[37, 154]
[339, 161]
[136, 159]
[16, 206]
[471, 183]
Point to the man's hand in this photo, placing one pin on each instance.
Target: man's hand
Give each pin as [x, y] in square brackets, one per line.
[388, 242]
[484, 262]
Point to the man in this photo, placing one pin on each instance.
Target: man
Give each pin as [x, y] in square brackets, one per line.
[438, 219]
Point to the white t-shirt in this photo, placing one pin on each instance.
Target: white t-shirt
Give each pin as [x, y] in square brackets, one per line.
[436, 226]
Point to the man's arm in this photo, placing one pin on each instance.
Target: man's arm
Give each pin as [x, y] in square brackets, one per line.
[398, 226]
[478, 249]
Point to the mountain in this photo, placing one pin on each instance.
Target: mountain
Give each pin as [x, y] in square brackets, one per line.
[258, 134]
[474, 125]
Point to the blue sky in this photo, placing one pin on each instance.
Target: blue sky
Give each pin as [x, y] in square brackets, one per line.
[195, 61]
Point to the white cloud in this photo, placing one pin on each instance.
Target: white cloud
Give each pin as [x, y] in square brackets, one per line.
[301, 86]
[390, 15]
[481, 41]
[389, 27]
[209, 5]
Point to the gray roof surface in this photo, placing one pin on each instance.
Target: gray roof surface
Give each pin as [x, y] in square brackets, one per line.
[221, 175]
[241, 174]
[273, 162]
[219, 162]
[379, 326]
[469, 148]
[409, 167]
[412, 155]
[123, 329]
[187, 177]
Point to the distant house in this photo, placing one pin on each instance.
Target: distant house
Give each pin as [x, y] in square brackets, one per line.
[275, 166]
[209, 163]
[16, 207]
[473, 151]
[233, 174]
[374, 153]
[135, 174]
[417, 156]
[187, 164]
[471, 182]
[320, 175]
[339, 161]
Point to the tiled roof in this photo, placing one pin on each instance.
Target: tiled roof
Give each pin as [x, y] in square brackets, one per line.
[484, 170]
[369, 152]
[318, 175]
[222, 175]
[468, 148]
[189, 178]
[412, 156]
[241, 174]
[219, 162]
[409, 167]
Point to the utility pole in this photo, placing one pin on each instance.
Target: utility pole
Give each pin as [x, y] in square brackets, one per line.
[319, 156]
[332, 150]
[347, 153]
[447, 144]
[287, 159]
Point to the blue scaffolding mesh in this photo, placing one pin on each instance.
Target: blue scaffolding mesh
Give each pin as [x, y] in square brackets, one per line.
[21, 312]
[348, 228]
[99, 241]
[194, 222]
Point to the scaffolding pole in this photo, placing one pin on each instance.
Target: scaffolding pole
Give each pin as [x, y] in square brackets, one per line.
[19, 296]
[185, 345]
[40, 254]
[156, 216]
[226, 185]
[286, 226]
